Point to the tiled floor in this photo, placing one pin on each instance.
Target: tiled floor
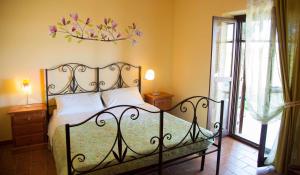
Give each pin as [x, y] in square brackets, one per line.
[236, 159]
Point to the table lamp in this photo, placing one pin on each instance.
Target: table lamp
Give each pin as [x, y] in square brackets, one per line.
[27, 89]
[150, 75]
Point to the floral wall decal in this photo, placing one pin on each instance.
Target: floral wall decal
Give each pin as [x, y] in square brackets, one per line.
[73, 27]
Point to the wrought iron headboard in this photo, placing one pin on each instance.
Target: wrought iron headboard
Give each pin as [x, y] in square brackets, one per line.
[73, 86]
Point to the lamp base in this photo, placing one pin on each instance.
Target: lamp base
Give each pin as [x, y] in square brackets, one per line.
[155, 93]
[27, 101]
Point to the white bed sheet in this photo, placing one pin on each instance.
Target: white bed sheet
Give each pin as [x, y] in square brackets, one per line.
[58, 120]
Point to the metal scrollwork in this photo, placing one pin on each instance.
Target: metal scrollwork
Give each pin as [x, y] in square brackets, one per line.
[121, 150]
[194, 129]
[72, 85]
[120, 147]
[80, 157]
[51, 86]
[119, 82]
[82, 68]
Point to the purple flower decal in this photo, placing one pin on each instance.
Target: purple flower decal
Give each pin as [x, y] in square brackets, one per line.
[74, 16]
[63, 21]
[52, 29]
[114, 25]
[87, 21]
[92, 33]
[73, 27]
[138, 32]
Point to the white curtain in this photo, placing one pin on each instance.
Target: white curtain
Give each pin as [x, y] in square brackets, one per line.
[264, 98]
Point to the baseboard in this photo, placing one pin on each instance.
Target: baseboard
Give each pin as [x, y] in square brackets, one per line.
[6, 142]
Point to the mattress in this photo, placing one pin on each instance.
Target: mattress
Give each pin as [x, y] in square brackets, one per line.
[95, 142]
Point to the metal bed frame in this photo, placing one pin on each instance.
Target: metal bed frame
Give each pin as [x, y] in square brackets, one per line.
[120, 148]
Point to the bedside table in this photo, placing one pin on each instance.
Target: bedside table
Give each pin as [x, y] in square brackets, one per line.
[162, 101]
[28, 124]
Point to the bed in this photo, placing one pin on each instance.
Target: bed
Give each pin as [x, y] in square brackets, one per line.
[122, 137]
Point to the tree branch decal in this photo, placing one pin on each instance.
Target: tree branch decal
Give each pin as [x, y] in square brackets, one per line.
[75, 28]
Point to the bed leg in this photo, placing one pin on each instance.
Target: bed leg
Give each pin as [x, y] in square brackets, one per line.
[220, 138]
[161, 140]
[202, 160]
[218, 162]
[68, 149]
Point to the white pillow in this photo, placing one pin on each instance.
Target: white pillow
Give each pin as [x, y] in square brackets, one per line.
[122, 96]
[78, 103]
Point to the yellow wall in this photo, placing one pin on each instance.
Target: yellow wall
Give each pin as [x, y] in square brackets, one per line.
[25, 46]
[176, 43]
[192, 44]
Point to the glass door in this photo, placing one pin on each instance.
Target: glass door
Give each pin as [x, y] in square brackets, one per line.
[244, 126]
[227, 82]
[223, 41]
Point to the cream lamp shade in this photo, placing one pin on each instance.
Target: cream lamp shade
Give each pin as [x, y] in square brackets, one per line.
[27, 90]
[26, 86]
[150, 74]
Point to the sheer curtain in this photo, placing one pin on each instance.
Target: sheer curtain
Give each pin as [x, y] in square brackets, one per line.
[262, 77]
[264, 98]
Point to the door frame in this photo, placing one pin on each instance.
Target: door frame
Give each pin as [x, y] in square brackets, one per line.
[235, 84]
[235, 87]
[208, 122]
[233, 97]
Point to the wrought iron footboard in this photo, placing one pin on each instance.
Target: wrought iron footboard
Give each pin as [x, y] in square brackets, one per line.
[121, 148]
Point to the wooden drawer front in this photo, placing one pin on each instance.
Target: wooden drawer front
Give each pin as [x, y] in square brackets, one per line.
[29, 140]
[163, 103]
[28, 118]
[28, 129]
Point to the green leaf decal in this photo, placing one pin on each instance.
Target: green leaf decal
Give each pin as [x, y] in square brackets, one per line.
[107, 31]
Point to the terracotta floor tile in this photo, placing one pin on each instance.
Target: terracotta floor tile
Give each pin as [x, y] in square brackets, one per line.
[7, 172]
[38, 168]
[236, 159]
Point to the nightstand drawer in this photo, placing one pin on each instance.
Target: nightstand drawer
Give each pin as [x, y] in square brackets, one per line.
[28, 123]
[28, 117]
[162, 100]
[22, 130]
[163, 103]
[29, 140]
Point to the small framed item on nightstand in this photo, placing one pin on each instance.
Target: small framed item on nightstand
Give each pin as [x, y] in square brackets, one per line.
[163, 100]
[28, 124]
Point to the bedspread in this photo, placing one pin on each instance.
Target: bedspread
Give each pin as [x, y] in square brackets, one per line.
[95, 142]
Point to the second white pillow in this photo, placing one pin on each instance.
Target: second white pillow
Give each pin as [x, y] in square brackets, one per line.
[78, 103]
[122, 96]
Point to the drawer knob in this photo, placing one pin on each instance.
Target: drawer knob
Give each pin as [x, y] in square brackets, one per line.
[28, 118]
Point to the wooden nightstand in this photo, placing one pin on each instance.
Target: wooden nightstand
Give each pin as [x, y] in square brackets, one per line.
[162, 101]
[28, 124]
